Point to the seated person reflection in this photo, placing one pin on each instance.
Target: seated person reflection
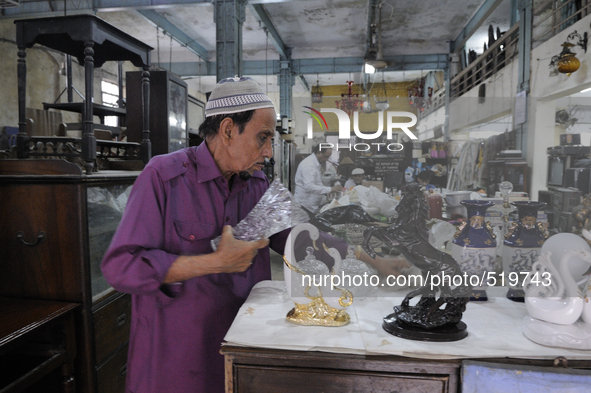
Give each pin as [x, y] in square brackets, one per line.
[424, 178]
[356, 178]
[309, 189]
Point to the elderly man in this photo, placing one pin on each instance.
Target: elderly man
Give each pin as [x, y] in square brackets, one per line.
[356, 178]
[184, 295]
[309, 189]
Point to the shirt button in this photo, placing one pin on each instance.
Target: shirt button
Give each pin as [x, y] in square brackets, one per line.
[185, 164]
[227, 219]
[192, 237]
[223, 180]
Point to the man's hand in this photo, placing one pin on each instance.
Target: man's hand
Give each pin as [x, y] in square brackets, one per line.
[232, 256]
[336, 188]
[236, 255]
[387, 266]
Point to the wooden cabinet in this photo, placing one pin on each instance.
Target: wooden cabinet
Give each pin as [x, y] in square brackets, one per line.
[254, 370]
[249, 369]
[57, 224]
[37, 346]
[168, 111]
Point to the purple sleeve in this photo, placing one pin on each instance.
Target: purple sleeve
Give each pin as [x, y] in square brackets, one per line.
[277, 241]
[135, 261]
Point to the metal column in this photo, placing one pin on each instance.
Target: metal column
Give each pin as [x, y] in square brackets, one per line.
[524, 57]
[447, 84]
[228, 17]
[286, 82]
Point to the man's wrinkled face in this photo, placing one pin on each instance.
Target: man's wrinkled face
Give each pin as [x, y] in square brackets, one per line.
[358, 179]
[249, 150]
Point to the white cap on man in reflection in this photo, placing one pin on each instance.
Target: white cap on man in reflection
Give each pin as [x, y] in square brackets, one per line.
[357, 171]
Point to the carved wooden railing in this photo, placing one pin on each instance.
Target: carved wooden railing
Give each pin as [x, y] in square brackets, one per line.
[550, 17]
[70, 149]
[488, 63]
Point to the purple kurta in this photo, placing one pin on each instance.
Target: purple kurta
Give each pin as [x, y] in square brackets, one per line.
[177, 205]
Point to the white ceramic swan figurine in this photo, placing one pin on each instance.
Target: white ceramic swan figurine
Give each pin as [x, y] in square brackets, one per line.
[546, 302]
[587, 305]
[336, 297]
[295, 292]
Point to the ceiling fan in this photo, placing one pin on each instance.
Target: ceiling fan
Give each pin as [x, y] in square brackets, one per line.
[374, 56]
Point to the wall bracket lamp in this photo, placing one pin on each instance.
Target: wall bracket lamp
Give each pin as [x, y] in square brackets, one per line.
[566, 62]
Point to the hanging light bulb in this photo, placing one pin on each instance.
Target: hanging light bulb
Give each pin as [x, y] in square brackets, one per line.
[382, 103]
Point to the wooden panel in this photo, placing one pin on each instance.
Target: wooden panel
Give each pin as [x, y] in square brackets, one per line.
[111, 326]
[50, 269]
[45, 123]
[111, 375]
[38, 167]
[296, 380]
[249, 369]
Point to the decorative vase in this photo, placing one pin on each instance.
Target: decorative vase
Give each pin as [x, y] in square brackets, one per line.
[474, 248]
[521, 247]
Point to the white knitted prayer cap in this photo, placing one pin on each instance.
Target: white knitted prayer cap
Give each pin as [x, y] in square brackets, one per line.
[238, 94]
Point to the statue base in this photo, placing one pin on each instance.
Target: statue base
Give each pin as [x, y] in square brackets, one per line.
[517, 295]
[317, 313]
[478, 295]
[575, 336]
[445, 333]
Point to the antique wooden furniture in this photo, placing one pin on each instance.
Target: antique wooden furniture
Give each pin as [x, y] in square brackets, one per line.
[168, 111]
[250, 369]
[57, 225]
[264, 352]
[37, 346]
[92, 41]
[259, 369]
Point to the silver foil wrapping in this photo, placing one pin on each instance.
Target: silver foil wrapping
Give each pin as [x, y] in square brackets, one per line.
[274, 212]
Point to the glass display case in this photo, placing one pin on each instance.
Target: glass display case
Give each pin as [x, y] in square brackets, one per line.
[105, 205]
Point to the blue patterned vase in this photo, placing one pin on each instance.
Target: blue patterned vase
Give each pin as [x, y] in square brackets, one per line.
[474, 248]
[521, 247]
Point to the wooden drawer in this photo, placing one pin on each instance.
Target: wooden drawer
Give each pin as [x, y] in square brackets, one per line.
[111, 326]
[295, 380]
[41, 241]
[111, 375]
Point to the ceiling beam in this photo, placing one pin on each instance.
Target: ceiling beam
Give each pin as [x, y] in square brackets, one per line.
[34, 9]
[263, 18]
[261, 15]
[332, 65]
[175, 32]
[304, 82]
[477, 20]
